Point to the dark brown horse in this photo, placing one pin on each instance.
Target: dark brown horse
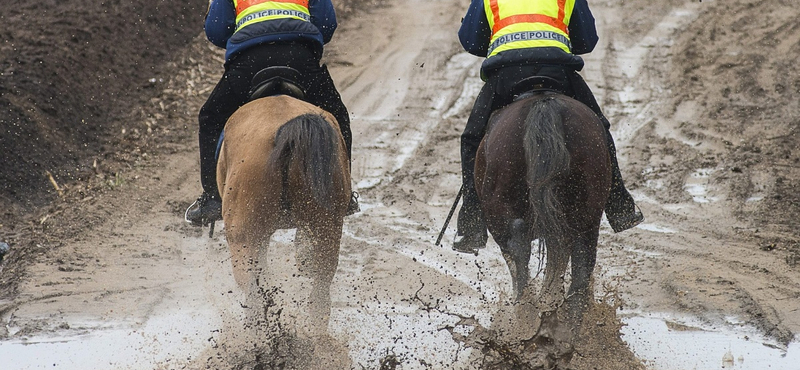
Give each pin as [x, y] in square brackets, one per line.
[543, 172]
[283, 164]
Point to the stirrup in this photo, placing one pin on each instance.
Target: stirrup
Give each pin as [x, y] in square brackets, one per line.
[205, 210]
[629, 221]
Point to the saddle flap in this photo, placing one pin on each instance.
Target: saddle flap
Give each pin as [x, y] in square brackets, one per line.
[536, 84]
[277, 80]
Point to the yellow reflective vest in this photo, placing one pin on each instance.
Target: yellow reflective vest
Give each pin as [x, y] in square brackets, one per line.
[254, 11]
[520, 24]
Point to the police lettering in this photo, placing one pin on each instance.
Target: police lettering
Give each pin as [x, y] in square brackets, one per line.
[273, 12]
[529, 36]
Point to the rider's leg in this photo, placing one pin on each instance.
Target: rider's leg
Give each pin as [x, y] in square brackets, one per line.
[213, 115]
[215, 112]
[621, 210]
[471, 234]
[229, 94]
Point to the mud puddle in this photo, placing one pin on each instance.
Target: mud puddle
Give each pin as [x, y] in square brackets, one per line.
[670, 342]
[167, 341]
[172, 322]
[375, 329]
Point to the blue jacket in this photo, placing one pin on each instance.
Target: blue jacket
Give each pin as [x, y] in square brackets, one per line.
[221, 22]
[475, 36]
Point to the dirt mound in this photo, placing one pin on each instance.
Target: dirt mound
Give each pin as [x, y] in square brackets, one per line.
[70, 70]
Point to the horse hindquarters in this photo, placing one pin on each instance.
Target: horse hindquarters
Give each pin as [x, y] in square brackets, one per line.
[511, 167]
[309, 153]
[499, 187]
[583, 194]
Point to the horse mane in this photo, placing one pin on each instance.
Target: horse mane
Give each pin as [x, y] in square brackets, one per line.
[309, 141]
[547, 160]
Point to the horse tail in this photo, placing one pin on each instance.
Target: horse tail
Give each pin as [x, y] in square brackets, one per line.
[309, 142]
[547, 158]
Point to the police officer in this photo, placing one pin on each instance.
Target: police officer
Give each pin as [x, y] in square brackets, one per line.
[524, 38]
[258, 34]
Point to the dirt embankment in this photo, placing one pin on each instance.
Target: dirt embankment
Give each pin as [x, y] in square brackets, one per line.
[71, 71]
[734, 83]
[77, 78]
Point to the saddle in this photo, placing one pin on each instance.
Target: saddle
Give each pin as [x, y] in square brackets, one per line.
[536, 84]
[277, 80]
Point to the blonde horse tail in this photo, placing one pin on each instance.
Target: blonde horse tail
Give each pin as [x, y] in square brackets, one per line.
[547, 158]
[311, 143]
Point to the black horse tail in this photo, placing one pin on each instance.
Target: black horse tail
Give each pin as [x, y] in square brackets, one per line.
[309, 142]
[547, 159]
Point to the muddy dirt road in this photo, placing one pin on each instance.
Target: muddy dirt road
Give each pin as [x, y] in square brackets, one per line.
[707, 130]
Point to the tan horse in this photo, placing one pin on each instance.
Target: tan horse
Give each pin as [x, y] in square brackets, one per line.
[283, 164]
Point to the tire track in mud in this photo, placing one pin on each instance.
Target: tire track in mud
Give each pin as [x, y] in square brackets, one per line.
[390, 273]
[388, 259]
[695, 245]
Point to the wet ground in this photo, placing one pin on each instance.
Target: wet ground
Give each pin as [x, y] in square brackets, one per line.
[704, 283]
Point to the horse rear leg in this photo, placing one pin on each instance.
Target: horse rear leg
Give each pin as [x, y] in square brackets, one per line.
[244, 248]
[552, 294]
[324, 240]
[248, 231]
[304, 252]
[516, 249]
[584, 257]
[553, 337]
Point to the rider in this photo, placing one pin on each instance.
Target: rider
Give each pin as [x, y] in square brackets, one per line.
[258, 34]
[524, 38]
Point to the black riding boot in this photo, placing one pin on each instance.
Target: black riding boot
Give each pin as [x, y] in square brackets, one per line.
[353, 207]
[471, 234]
[204, 211]
[344, 126]
[621, 210]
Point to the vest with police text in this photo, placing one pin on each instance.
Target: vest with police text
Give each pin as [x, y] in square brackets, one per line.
[254, 11]
[519, 24]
